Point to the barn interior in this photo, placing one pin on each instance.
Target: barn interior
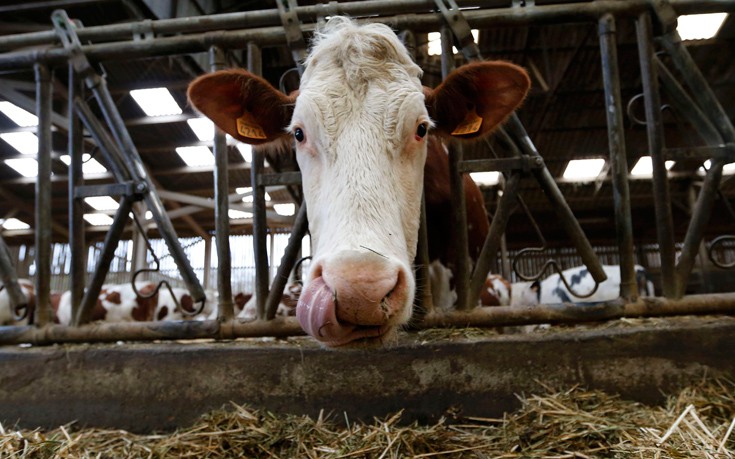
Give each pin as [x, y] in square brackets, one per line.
[564, 115]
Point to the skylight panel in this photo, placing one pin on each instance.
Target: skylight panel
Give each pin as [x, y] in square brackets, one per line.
[486, 178]
[584, 169]
[27, 167]
[249, 198]
[246, 151]
[199, 156]
[644, 167]
[435, 42]
[98, 219]
[202, 127]
[19, 116]
[285, 209]
[89, 164]
[727, 169]
[238, 214]
[102, 203]
[24, 142]
[15, 224]
[156, 101]
[700, 26]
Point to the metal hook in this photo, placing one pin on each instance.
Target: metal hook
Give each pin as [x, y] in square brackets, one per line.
[710, 251]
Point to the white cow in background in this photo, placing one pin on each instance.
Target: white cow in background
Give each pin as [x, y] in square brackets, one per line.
[552, 290]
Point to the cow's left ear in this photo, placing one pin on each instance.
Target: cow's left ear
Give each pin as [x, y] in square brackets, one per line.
[476, 98]
[243, 105]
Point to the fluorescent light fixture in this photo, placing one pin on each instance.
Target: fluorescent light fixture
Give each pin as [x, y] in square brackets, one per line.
[486, 178]
[644, 167]
[202, 127]
[98, 219]
[156, 101]
[246, 151]
[199, 156]
[727, 169]
[27, 167]
[18, 115]
[249, 198]
[102, 203]
[700, 26]
[435, 42]
[285, 209]
[584, 169]
[238, 214]
[89, 164]
[24, 142]
[15, 224]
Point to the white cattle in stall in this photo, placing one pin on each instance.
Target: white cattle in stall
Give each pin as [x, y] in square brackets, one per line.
[361, 123]
[6, 313]
[286, 307]
[166, 306]
[115, 303]
[552, 290]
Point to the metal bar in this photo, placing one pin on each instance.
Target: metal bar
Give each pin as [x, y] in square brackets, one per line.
[282, 178]
[492, 242]
[501, 164]
[515, 128]
[290, 256]
[77, 242]
[423, 303]
[654, 127]
[725, 152]
[618, 158]
[9, 277]
[103, 263]
[260, 234]
[530, 14]
[44, 88]
[103, 140]
[221, 196]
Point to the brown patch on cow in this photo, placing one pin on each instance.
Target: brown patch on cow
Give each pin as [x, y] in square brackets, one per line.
[241, 299]
[113, 297]
[187, 303]
[146, 303]
[162, 313]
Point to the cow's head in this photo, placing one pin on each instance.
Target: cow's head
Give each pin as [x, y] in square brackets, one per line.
[360, 125]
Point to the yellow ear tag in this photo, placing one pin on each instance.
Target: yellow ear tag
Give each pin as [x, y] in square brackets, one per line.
[249, 129]
[469, 125]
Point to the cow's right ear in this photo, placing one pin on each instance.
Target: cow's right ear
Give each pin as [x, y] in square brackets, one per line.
[243, 105]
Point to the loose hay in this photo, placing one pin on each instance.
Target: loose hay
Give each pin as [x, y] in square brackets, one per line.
[575, 423]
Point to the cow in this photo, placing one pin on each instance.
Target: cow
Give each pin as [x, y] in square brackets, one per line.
[286, 306]
[552, 290]
[7, 317]
[116, 303]
[496, 291]
[187, 309]
[368, 139]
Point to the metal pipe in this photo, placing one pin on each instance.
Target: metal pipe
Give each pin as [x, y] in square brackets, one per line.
[497, 228]
[654, 128]
[288, 260]
[44, 88]
[260, 233]
[618, 157]
[423, 303]
[556, 198]
[103, 140]
[77, 243]
[91, 295]
[221, 196]
[530, 14]
[272, 36]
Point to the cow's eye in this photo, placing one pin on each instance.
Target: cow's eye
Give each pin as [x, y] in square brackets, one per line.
[422, 130]
[299, 135]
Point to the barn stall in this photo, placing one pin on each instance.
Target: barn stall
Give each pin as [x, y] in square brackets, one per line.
[595, 71]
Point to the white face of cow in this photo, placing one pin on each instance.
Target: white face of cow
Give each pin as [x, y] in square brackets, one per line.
[360, 126]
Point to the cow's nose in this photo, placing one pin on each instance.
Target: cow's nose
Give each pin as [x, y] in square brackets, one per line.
[368, 288]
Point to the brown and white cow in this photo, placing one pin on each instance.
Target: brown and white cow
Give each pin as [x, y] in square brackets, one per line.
[116, 303]
[361, 123]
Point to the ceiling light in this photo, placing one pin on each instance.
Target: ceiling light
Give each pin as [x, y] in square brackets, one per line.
[727, 169]
[435, 42]
[644, 167]
[700, 26]
[27, 167]
[238, 214]
[18, 115]
[24, 142]
[98, 219]
[202, 127]
[199, 156]
[102, 203]
[15, 224]
[584, 169]
[486, 178]
[285, 209]
[89, 164]
[156, 101]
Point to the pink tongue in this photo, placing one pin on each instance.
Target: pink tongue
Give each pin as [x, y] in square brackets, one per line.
[317, 315]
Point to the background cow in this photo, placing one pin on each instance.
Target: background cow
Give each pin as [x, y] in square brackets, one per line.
[361, 123]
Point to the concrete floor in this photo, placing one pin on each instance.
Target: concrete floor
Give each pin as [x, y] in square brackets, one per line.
[160, 386]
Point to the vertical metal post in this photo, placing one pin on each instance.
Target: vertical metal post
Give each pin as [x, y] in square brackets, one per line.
[662, 201]
[77, 243]
[222, 204]
[705, 265]
[260, 224]
[447, 50]
[44, 314]
[424, 301]
[290, 256]
[207, 261]
[618, 158]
